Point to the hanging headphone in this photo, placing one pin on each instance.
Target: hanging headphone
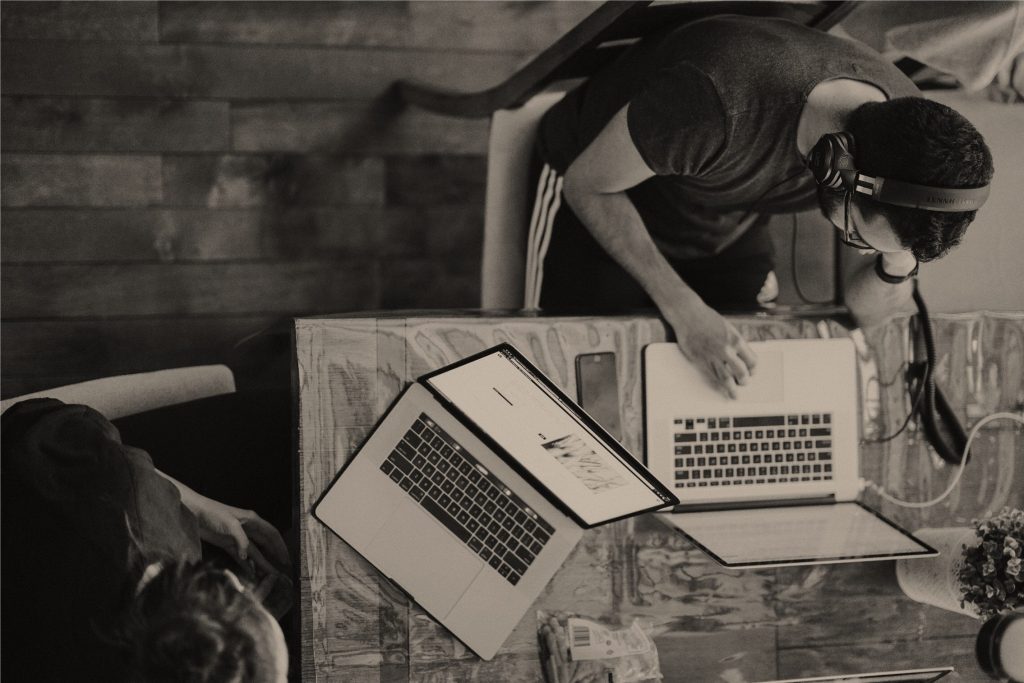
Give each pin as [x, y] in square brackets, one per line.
[832, 163]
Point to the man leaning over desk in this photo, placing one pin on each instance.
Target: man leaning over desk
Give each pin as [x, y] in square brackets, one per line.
[669, 159]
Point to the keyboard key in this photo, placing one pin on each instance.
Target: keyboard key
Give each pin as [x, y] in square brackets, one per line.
[515, 563]
[759, 421]
[442, 515]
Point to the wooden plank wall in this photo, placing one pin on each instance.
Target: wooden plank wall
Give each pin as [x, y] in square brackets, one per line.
[178, 175]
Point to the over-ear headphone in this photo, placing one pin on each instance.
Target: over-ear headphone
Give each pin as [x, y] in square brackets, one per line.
[832, 163]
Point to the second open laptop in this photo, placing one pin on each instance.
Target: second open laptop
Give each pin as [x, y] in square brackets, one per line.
[906, 676]
[475, 487]
[770, 478]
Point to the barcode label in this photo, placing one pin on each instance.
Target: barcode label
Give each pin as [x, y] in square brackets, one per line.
[592, 640]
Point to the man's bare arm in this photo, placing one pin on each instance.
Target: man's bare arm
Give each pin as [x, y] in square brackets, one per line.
[595, 187]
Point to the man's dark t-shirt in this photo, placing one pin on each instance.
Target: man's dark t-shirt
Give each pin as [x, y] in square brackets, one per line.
[713, 110]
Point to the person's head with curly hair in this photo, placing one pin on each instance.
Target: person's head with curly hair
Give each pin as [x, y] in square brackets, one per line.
[919, 141]
[197, 623]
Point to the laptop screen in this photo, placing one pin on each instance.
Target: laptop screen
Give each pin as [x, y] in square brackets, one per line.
[914, 676]
[798, 534]
[544, 432]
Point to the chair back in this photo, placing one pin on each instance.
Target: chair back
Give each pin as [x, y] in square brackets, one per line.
[124, 395]
[506, 214]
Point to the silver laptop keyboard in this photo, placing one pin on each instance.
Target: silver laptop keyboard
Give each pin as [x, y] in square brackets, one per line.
[761, 449]
[463, 495]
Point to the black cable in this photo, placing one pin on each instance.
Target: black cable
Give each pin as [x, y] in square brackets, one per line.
[914, 408]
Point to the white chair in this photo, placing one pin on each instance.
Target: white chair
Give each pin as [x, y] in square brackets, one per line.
[124, 395]
[506, 215]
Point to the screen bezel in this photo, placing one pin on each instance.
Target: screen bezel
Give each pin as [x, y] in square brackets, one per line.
[634, 464]
[926, 552]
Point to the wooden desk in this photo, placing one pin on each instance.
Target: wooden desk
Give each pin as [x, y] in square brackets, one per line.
[714, 624]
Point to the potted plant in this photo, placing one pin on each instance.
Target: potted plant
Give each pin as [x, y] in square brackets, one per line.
[992, 572]
[979, 569]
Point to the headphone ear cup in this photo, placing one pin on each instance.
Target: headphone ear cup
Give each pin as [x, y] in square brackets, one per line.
[831, 160]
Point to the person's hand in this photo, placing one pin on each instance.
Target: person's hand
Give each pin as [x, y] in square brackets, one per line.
[254, 543]
[714, 345]
[898, 263]
[251, 540]
[554, 658]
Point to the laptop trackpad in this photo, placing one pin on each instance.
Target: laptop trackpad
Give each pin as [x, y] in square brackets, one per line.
[420, 555]
[766, 382]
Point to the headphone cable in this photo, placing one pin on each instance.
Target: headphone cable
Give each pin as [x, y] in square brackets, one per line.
[1016, 417]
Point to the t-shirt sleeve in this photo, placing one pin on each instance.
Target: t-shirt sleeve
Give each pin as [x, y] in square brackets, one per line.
[677, 122]
[70, 457]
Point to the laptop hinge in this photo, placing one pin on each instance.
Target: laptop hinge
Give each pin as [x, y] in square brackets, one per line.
[754, 504]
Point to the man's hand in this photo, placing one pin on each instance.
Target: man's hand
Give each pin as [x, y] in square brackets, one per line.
[870, 300]
[243, 534]
[714, 345]
[253, 541]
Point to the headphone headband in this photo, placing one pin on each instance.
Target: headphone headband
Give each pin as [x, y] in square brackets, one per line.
[832, 163]
[915, 196]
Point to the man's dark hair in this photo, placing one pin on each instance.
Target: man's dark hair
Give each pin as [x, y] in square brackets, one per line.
[188, 625]
[920, 141]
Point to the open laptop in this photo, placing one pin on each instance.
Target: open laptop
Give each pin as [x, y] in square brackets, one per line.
[476, 486]
[909, 676]
[769, 478]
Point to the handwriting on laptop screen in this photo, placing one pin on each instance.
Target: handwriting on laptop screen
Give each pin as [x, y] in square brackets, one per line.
[530, 422]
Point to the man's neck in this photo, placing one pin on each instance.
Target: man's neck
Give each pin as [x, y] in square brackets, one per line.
[829, 105]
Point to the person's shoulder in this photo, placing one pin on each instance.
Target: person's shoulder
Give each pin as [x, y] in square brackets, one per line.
[37, 418]
[55, 444]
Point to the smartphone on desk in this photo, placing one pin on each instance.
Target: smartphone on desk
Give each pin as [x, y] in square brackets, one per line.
[597, 389]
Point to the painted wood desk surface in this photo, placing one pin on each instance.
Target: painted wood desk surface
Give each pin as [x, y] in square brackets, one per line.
[712, 624]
